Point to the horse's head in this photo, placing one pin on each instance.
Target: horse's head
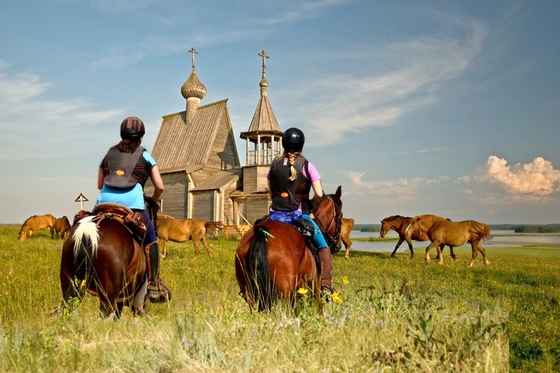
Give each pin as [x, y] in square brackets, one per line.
[384, 228]
[414, 227]
[328, 216]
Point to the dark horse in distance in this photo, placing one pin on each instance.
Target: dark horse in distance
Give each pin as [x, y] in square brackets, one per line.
[104, 255]
[272, 259]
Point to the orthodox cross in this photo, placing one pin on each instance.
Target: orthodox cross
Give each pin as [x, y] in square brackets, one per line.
[264, 56]
[193, 52]
[81, 198]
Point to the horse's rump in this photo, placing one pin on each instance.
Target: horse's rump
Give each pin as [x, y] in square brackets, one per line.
[102, 257]
[272, 260]
[62, 226]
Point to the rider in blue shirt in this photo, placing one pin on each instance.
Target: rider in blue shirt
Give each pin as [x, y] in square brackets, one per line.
[121, 178]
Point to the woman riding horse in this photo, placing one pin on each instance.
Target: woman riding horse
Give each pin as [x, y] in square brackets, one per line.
[121, 178]
[290, 179]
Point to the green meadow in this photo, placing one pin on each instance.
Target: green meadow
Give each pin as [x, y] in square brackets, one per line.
[393, 315]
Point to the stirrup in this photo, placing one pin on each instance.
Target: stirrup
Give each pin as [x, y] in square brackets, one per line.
[326, 293]
[158, 292]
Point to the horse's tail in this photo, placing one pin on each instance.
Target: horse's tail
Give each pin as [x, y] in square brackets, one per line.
[480, 229]
[258, 270]
[86, 241]
[214, 227]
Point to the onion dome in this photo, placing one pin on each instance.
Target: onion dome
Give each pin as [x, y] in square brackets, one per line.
[193, 87]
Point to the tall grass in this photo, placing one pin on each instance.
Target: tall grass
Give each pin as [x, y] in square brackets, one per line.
[394, 315]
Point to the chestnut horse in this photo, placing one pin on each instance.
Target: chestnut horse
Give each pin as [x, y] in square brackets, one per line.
[347, 225]
[442, 231]
[35, 223]
[399, 224]
[181, 230]
[61, 227]
[102, 256]
[272, 258]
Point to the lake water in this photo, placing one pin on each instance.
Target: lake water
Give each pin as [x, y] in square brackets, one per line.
[499, 239]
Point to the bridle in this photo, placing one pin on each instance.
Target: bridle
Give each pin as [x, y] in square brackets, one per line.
[334, 223]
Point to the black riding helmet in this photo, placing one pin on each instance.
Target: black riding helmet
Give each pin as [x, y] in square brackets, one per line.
[293, 140]
[132, 128]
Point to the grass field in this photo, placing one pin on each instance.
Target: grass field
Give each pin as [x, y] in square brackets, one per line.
[395, 315]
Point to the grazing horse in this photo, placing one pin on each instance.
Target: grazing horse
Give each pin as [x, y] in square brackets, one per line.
[61, 227]
[104, 256]
[442, 231]
[181, 230]
[272, 258]
[35, 223]
[399, 224]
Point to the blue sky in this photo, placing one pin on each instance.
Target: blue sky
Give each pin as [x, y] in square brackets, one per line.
[442, 107]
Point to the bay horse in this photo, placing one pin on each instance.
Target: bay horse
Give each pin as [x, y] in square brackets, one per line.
[442, 231]
[35, 223]
[399, 224]
[181, 230]
[272, 259]
[104, 255]
[61, 227]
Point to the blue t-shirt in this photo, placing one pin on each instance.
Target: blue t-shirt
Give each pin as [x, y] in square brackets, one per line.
[132, 198]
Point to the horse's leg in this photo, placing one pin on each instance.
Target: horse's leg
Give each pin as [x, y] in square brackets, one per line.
[409, 242]
[196, 245]
[474, 253]
[440, 252]
[483, 252]
[430, 246]
[163, 247]
[137, 306]
[205, 243]
[476, 247]
[347, 244]
[452, 253]
[401, 239]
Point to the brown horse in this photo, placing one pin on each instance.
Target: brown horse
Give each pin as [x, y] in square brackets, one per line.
[61, 227]
[273, 260]
[399, 224]
[35, 223]
[347, 225]
[442, 231]
[102, 256]
[181, 230]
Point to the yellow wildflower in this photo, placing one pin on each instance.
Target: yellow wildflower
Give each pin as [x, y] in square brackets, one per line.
[336, 298]
[345, 280]
[302, 291]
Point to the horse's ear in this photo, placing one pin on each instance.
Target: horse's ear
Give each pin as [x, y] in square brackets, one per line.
[338, 193]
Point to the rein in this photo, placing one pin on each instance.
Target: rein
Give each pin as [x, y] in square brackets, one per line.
[336, 222]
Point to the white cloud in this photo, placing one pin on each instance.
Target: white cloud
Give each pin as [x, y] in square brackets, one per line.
[35, 126]
[535, 179]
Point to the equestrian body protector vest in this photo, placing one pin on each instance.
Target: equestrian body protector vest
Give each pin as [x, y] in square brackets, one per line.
[124, 170]
[286, 194]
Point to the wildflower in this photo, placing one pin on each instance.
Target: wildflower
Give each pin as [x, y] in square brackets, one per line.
[345, 280]
[302, 291]
[336, 298]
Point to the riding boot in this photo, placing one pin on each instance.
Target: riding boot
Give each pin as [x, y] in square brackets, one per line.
[326, 274]
[157, 291]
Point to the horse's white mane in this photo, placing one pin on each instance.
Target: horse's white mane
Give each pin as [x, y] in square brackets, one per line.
[86, 228]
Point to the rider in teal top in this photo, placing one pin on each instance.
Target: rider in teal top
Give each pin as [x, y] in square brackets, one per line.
[121, 178]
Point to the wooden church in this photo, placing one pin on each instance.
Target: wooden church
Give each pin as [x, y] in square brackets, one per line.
[197, 157]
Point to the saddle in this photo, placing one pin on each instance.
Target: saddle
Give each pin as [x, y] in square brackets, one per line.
[306, 229]
[133, 221]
